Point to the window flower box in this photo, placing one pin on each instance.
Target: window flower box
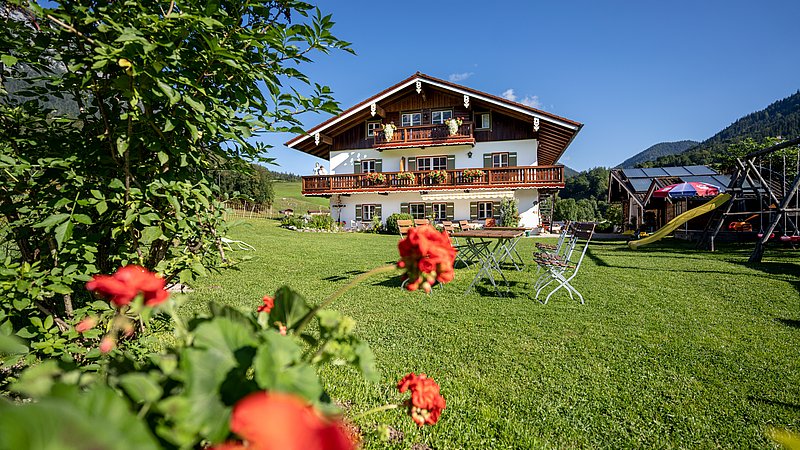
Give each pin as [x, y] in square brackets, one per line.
[452, 125]
[437, 176]
[472, 174]
[374, 178]
[406, 176]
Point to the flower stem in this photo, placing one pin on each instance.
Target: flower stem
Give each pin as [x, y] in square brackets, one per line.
[339, 293]
[377, 410]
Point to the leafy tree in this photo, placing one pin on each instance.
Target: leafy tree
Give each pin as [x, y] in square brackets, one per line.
[166, 94]
[255, 186]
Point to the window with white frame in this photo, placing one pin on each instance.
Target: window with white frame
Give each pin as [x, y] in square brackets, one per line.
[499, 159]
[432, 163]
[439, 211]
[410, 119]
[417, 210]
[438, 117]
[367, 212]
[368, 165]
[372, 128]
[484, 210]
[483, 121]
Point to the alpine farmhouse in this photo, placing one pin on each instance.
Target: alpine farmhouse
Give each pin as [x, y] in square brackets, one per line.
[437, 150]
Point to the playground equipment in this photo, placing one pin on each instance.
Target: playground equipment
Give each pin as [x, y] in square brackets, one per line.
[772, 176]
[744, 225]
[705, 208]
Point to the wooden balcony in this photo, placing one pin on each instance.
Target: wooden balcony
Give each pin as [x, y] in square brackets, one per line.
[425, 136]
[494, 178]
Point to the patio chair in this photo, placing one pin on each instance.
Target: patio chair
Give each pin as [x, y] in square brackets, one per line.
[241, 245]
[464, 252]
[464, 225]
[489, 223]
[403, 225]
[563, 271]
[421, 222]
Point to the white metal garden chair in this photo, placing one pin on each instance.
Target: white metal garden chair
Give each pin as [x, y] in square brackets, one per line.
[562, 272]
[241, 245]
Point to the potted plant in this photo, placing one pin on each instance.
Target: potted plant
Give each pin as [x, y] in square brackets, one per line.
[406, 176]
[438, 176]
[452, 125]
[388, 131]
[471, 174]
[375, 178]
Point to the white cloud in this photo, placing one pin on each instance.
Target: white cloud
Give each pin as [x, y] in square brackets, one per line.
[456, 77]
[532, 101]
[529, 100]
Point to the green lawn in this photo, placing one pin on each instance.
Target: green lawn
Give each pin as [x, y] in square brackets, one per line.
[673, 348]
[288, 195]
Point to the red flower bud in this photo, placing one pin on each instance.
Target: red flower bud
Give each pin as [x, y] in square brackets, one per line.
[107, 344]
[86, 324]
[269, 302]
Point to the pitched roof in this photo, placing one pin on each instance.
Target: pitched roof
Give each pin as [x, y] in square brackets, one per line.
[555, 135]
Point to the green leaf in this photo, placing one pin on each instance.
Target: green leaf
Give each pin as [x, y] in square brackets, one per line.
[59, 288]
[82, 218]
[8, 60]
[366, 362]
[63, 232]
[142, 388]
[101, 207]
[36, 381]
[53, 220]
[150, 234]
[289, 308]
[163, 158]
[277, 367]
[197, 106]
[11, 345]
[173, 96]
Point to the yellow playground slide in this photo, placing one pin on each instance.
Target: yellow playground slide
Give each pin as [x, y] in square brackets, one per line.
[713, 204]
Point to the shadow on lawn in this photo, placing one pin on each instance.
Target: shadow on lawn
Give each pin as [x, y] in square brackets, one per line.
[767, 401]
[344, 276]
[789, 322]
[786, 271]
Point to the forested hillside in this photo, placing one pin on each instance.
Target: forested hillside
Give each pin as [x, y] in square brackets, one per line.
[781, 118]
[657, 151]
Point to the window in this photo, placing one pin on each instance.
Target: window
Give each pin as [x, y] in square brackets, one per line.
[499, 159]
[432, 163]
[410, 119]
[367, 212]
[438, 117]
[372, 128]
[484, 210]
[368, 165]
[439, 211]
[417, 210]
[483, 121]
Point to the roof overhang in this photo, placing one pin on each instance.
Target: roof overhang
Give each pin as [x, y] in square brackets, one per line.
[563, 130]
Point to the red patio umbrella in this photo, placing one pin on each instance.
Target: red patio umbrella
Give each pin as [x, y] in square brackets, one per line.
[688, 189]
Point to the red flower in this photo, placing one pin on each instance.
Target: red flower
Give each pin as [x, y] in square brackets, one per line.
[428, 256]
[107, 344]
[426, 403]
[272, 421]
[269, 302]
[86, 324]
[122, 287]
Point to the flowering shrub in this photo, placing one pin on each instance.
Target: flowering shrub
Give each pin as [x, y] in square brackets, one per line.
[438, 176]
[375, 177]
[472, 173]
[406, 176]
[427, 257]
[453, 124]
[388, 131]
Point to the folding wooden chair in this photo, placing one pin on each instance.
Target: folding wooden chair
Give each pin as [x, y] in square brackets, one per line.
[564, 271]
[421, 222]
[403, 225]
[463, 251]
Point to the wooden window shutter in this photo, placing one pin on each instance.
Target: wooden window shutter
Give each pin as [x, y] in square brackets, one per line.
[429, 210]
[403, 208]
[487, 161]
[496, 210]
[378, 211]
[451, 162]
[412, 164]
[358, 211]
[357, 167]
[512, 159]
[473, 210]
[379, 163]
[450, 208]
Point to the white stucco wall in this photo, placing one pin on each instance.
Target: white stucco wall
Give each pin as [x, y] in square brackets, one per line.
[390, 204]
[341, 162]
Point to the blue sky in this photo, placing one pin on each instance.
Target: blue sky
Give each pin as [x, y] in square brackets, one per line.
[634, 72]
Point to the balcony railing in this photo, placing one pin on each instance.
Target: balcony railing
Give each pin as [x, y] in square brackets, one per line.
[499, 177]
[425, 135]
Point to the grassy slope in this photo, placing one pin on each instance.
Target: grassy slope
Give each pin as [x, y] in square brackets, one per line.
[674, 348]
[287, 195]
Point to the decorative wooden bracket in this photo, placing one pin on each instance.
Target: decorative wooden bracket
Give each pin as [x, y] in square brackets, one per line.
[466, 101]
[536, 124]
[374, 109]
[419, 87]
[318, 137]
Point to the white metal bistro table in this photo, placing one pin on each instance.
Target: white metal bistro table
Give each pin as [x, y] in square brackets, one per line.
[510, 246]
[488, 256]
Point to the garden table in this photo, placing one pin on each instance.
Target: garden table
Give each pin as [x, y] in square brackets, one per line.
[491, 258]
[511, 247]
